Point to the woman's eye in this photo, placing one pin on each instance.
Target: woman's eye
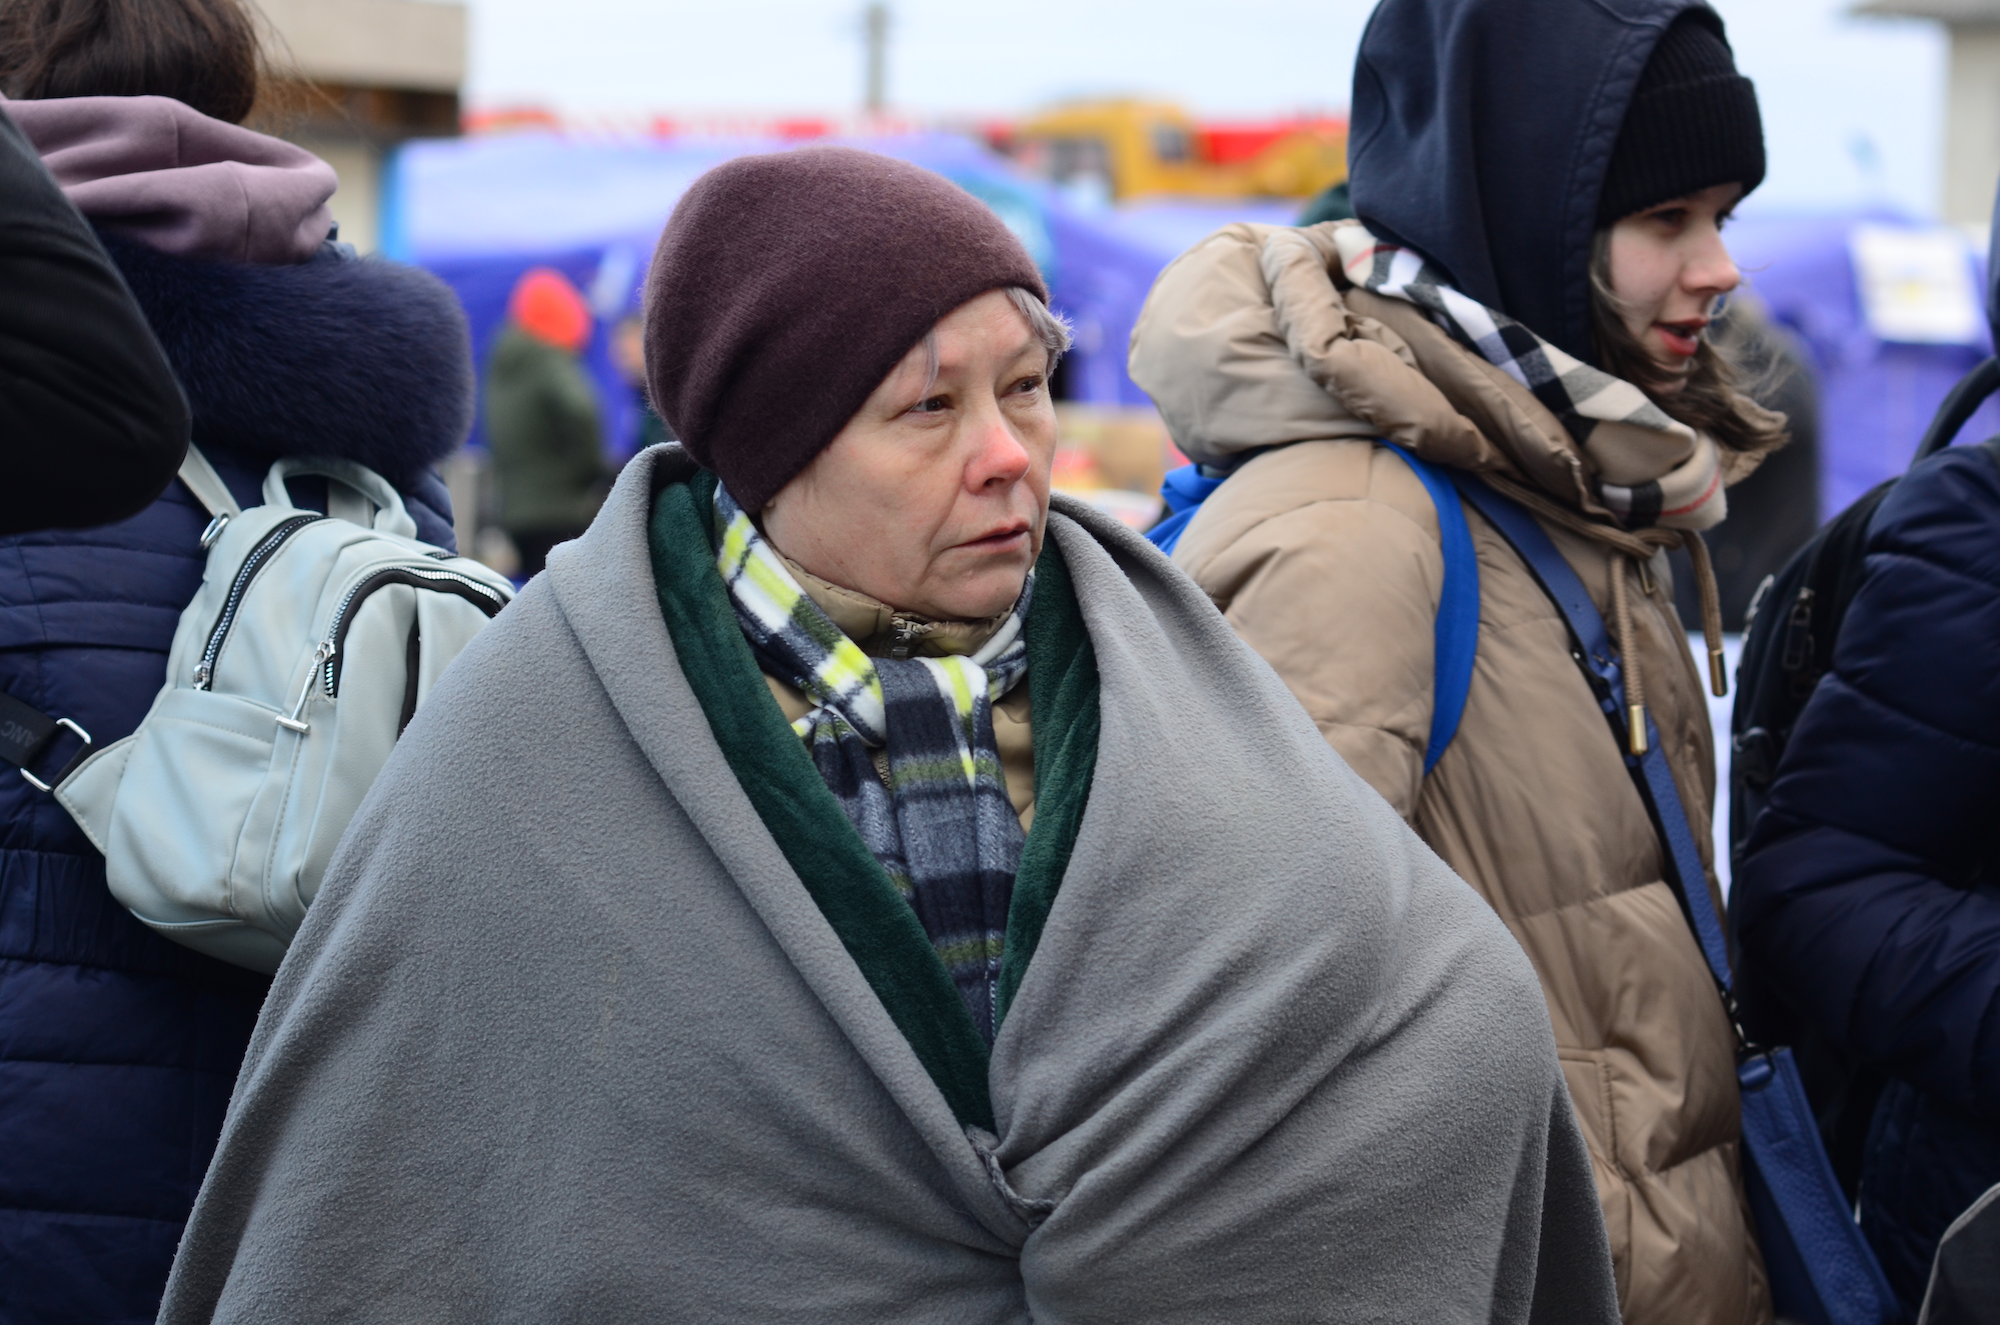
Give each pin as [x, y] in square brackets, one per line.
[1672, 216]
[931, 405]
[1028, 385]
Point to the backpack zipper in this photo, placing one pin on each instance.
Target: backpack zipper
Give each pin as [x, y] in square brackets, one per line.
[204, 673]
[295, 723]
[484, 597]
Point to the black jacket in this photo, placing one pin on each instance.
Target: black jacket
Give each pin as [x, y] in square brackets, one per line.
[92, 423]
[1868, 902]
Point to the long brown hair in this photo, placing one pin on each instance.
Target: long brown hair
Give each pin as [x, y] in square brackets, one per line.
[205, 53]
[1711, 398]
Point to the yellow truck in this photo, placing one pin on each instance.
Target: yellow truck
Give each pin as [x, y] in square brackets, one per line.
[1140, 149]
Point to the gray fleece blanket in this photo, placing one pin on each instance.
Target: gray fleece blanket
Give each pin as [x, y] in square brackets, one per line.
[563, 1037]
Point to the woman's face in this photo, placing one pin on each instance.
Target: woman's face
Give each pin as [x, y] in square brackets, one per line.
[1668, 267]
[933, 499]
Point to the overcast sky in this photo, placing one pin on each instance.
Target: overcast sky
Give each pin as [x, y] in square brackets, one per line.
[1851, 107]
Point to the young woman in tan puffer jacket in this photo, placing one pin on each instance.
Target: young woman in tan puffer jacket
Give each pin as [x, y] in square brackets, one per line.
[1528, 215]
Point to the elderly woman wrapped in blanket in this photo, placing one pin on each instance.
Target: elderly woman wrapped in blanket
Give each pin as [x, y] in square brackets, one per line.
[848, 886]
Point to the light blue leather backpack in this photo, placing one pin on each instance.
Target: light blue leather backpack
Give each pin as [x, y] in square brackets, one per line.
[311, 643]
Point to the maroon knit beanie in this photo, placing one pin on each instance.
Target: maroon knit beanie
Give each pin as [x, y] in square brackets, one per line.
[786, 287]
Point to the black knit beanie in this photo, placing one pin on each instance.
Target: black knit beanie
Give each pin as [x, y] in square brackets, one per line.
[787, 286]
[1693, 123]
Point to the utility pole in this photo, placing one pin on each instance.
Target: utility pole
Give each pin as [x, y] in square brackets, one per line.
[875, 27]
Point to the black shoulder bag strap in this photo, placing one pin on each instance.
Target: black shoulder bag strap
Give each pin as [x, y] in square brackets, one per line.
[25, 732]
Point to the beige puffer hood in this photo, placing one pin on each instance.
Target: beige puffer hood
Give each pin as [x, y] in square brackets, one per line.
[1322, 550]
[1245, 344]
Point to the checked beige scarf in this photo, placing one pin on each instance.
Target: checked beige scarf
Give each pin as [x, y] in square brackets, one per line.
[1651, 470]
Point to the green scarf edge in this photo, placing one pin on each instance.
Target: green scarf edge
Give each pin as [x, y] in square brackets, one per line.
[876, 926]
[1063, 710]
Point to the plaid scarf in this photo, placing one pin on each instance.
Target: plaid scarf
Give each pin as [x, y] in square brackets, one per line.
[1650, 469]
[943, 828]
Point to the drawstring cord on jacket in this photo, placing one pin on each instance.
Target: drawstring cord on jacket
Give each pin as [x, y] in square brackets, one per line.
[1711, 610]
[1625, 549]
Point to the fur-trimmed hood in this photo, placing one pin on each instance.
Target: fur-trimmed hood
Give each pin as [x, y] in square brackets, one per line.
[365, 359]
[285, 345]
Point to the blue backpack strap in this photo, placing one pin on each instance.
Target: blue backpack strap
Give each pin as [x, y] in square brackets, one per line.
[1184, 490]
[1457, 633]
[1456, 639]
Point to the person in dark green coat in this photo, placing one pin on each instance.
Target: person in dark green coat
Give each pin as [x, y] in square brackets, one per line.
[542, 421]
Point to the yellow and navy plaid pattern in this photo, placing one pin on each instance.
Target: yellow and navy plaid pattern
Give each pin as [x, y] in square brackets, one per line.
[943, 828]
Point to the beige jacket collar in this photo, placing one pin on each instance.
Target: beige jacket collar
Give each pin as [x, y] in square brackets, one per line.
[880, 629]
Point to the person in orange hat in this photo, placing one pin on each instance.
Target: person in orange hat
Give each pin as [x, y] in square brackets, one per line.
[541, 419]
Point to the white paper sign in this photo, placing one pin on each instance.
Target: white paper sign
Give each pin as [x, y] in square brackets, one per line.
[1916, 284]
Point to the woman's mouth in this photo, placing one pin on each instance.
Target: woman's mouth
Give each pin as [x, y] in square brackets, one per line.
[1681, 338]
[999, 540]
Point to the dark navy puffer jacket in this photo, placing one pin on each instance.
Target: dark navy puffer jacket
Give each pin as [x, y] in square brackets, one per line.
[1868, 904]
[118, 1048]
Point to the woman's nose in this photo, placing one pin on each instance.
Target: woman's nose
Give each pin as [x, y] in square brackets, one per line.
[999, 459]
[1710, 270]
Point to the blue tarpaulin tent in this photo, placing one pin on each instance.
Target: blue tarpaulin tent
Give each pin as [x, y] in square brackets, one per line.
[1109, 258]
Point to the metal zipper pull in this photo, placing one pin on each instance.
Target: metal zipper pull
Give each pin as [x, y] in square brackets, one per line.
[213, 532]
[905, 634]
[320, 655]
[204, 675]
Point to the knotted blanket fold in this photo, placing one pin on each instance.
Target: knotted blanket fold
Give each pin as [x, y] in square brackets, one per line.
[565, 1038]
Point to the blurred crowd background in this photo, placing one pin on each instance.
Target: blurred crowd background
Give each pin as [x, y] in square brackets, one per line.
[499, 140]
